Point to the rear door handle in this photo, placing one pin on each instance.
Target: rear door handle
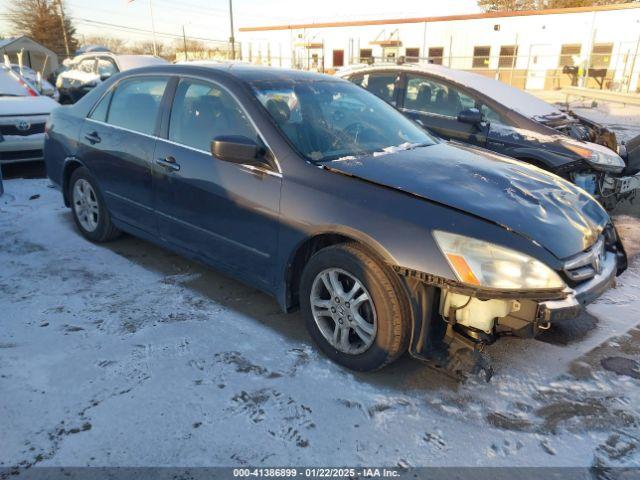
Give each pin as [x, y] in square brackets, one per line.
[169, 163]
[93, 137]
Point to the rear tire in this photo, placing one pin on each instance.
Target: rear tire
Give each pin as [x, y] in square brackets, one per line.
[345, 288]
[89, 208]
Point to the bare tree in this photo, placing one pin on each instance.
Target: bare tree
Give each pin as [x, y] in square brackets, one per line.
[513, 5]
[114, 44]
[145, 47]
[194, 48]
[40, 20]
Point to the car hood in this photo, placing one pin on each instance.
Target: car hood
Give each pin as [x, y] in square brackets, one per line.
[536, 204]
[41, 105]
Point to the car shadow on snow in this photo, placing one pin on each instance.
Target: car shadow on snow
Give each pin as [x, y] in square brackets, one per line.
[405, 374]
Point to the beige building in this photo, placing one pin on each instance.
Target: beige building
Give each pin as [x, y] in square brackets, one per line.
[544, 49]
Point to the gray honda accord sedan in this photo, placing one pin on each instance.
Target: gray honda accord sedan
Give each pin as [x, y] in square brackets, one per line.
[324, 196]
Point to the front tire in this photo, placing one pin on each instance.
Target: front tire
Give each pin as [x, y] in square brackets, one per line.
[355, 308]
[89, 209]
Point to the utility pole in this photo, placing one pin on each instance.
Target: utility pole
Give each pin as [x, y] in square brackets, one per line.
[153, 26]
[153, 29]
[231, 39]
[633, 66]
[64, 29]
[184, 39]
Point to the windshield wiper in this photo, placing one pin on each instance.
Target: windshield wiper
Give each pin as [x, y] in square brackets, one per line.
[401, 148]
[9, 95]
[418, 145]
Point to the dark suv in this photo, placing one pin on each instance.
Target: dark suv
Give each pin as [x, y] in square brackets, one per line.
[321, 194]
[474, 109]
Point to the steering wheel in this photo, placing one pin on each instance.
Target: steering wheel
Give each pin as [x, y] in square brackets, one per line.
[354, 130]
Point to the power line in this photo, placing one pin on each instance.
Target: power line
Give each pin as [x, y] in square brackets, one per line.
[119, 13]
[88, 21]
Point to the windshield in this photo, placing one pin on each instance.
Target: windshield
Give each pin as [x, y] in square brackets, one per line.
[333, 120]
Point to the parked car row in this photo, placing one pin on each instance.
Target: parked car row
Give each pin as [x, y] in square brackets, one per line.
[36, 81]
[26, 99]
[314, 190]
[88, 70]
[484, 112]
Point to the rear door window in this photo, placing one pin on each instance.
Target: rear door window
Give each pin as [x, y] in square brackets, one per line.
[136, 103]
[202, 111]
[431, 96]
[382, 85]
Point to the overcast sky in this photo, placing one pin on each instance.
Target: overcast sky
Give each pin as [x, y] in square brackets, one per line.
[210, 18]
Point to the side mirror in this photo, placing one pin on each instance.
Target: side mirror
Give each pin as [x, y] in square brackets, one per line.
[472, 116]
[105, 76]
[235, 148]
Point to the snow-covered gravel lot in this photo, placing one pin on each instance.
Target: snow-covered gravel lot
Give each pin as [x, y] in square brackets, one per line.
[126, 354]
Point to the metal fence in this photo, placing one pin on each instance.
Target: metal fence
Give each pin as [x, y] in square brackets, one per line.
[530, 70]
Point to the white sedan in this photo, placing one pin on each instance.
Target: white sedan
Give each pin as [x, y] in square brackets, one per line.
[23, 113]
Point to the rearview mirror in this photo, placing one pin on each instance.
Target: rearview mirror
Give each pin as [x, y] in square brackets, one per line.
[235, 148]
[472, 116]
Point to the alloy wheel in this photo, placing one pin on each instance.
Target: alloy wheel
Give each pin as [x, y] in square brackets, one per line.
[343, 311]
[85, 205]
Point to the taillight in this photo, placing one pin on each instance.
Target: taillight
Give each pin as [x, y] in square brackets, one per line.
[30, 90]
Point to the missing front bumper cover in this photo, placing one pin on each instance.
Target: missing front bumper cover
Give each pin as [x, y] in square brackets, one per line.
[571, 306]
[550, 306]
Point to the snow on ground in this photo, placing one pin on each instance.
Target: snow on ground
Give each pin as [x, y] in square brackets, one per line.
[126, 354]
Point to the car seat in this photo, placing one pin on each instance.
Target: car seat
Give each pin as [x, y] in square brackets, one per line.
[423, 99]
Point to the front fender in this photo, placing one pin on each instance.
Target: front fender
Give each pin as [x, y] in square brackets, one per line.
[539, 157]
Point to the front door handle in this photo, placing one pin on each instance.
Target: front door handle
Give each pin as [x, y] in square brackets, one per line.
[93, 138]
[169, 163]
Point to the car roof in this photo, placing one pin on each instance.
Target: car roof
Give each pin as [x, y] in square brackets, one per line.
[245, 72]
[256, 73]
[125, 62]
[511, 97]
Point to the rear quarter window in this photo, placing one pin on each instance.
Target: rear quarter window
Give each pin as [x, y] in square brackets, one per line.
[136, 103]
[100, 111]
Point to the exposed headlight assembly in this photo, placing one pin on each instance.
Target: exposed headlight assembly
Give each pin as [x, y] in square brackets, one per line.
[485, 264]
[599, 157]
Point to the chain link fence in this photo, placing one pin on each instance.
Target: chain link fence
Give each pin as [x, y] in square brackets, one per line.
[609, 67]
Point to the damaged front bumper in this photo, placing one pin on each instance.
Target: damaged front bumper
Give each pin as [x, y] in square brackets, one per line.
[609, 190]
[622, 185]
[552, 311]
[483, 314]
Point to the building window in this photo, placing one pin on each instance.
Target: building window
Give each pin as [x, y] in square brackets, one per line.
[412, 54]
[567, 52]
[435, 55]
[601, 55]
[508, 54]
[481, 57]
[338, 58]
[366, 55]
[389, 53]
